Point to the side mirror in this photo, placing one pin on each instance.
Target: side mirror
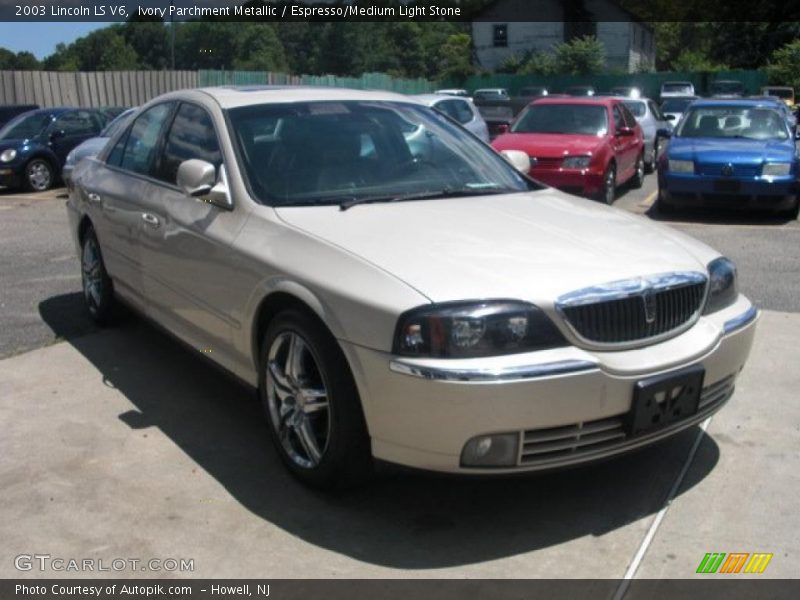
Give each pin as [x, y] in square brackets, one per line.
[198, 179]
[663, 133]
[502, 128]
[625, 131]
[670, 117]
[518, 159]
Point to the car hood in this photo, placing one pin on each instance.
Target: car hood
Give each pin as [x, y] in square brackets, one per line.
[533, 246]
[548, 145]
[731, 150]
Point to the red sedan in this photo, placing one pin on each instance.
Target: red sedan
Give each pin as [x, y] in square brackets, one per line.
[586, 146]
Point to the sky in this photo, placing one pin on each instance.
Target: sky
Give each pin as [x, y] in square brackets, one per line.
[41, 38]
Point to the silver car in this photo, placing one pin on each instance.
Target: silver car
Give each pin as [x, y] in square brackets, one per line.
[461, 110]
[93, 145]
[430, 306]
[651, 119]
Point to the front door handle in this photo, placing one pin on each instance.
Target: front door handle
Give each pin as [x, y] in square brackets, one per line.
[94, 198]
[151, 220]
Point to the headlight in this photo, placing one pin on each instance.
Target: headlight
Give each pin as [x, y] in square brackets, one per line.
[681, 166]
[576, 162]
[473, 329]
[8, 155]
[722, 289]
[776, 169]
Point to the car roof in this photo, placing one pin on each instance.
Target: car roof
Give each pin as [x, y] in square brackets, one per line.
[590, 100]
[433, 98]
[235, 96]
[732, 102]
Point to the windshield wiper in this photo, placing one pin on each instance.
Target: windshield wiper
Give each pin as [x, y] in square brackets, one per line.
[352, 201]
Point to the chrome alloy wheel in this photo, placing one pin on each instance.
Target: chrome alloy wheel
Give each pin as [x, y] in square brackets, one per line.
[297, 397]
[39, 175]
[92, 274]
[610, 185]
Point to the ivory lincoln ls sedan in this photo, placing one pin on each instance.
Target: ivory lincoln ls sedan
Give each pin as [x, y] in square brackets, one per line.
[397, 290]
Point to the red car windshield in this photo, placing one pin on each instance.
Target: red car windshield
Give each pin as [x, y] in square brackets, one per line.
[576, 119]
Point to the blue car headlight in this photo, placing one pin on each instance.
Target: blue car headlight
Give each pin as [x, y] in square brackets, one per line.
[722, 288]
[776, 169]
[8, 155]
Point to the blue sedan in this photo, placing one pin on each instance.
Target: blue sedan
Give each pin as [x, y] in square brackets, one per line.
[730, 153]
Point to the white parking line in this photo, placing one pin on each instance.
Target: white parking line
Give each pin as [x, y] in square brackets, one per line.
[630, 573]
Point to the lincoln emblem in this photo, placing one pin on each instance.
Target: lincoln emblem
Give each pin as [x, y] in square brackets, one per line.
[649, 299]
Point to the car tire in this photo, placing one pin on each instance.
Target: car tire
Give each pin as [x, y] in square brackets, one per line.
[794, 212]
[637, 181]
[651, 166]
[608, 192]
[312, 405]
[39, 175]
[98, 289]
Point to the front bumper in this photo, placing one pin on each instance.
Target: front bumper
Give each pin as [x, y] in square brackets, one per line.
[10, 176]
[755, 192]
[422, 412]
[585, 182]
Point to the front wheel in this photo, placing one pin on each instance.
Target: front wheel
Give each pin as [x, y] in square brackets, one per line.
[312, 405]
[98, 290]
[38, 175]
[608, 192]
[637, 180]
[651, 166]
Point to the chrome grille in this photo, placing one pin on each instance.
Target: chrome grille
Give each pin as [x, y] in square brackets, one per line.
[634, 310]
[573, 442]
[718, 169]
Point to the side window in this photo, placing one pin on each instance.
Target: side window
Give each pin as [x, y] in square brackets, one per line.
[463, 111]
[115, 156]
[619, 121]
[142, 139]
[79, 122]
[659, 116]
[627, 116]
[191, 135]
[446, 108]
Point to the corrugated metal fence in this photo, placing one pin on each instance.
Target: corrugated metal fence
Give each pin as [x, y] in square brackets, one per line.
[91, 89]
[130, 88]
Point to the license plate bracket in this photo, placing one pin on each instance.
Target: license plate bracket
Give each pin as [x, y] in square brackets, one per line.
[664, 399]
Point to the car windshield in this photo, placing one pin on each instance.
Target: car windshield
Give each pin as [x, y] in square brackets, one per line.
[676, 105]
[754, 123]
[726, 87]
[314, 153]
[25, 126]
[779, 92]
[637, 108]
[680, 88]
[585, 119]
[118, 124]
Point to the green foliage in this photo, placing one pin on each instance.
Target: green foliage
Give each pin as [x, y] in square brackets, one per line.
[784, 66]
[539, 63]
[456, 58]
[696, 60]
[24, 61]
[584, 55]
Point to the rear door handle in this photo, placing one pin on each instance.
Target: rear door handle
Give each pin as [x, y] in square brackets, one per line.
[151, 220]
[94, 198]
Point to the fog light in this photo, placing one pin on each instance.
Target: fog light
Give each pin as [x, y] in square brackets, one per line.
[499, 450]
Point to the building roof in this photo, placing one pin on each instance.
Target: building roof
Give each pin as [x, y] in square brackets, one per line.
[532, 11]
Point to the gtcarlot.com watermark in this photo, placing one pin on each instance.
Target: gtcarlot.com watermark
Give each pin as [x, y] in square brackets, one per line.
[47, 562]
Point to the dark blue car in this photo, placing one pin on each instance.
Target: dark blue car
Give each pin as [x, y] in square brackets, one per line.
[730, 153]
[34, 145]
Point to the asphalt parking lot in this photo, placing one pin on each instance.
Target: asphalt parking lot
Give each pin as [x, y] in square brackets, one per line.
[122, 443]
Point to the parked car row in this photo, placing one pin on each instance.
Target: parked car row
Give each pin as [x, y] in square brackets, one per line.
[397, 290]
[35, 144]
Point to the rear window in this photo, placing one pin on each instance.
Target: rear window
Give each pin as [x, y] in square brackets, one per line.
[779, 92]
[637, 108]
[677, 88]
[676, 105]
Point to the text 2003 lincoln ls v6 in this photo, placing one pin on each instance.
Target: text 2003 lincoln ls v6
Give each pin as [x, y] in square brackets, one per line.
[397, 290]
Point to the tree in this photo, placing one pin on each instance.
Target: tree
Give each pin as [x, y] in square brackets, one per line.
[539, 63]
[21, 61]
[581, 56]
[696, 60]
[456, 58]
[118, 55]
[260, 49]
[783, 65]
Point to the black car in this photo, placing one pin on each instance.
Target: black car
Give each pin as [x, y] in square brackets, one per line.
[34, 145]
[8, 112]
